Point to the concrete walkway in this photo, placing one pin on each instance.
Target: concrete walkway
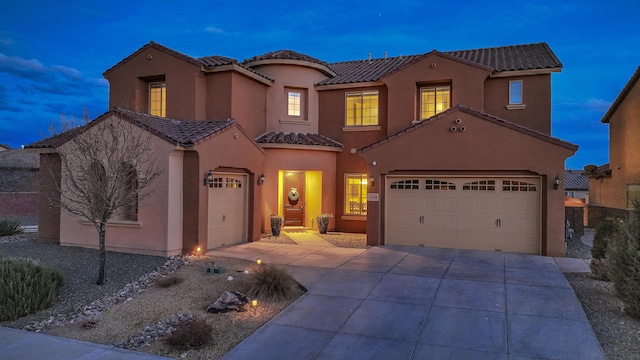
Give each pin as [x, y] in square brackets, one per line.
[305, 237]
[398, 302]
[24, 345]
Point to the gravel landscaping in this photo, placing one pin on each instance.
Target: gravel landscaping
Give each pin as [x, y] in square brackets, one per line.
[128, 275]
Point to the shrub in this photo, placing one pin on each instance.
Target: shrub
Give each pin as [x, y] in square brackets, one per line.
[624, 264]
[190, 334]
[26, 288]
[605, 231]
[168, 281]
[272, 282]
[10, 227]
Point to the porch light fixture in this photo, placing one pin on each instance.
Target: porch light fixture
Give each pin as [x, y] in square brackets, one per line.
[208, 179]
[556, 182]
[261, 179]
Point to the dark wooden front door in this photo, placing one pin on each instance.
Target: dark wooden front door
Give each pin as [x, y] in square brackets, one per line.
[293, 192]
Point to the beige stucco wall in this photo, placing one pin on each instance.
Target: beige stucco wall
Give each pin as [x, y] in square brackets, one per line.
[291, 76]
[484, 148]
[229, 151]
[624, 154]
[153, 234]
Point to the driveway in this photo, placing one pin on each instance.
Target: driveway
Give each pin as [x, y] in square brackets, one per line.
[397, 302]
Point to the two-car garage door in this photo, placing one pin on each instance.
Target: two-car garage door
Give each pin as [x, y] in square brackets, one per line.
[478, 213]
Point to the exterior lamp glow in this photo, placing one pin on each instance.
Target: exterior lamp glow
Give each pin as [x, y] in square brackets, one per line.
[556, 182]
[254, 305]
[208, 180]
[259, 261]
[198, 249]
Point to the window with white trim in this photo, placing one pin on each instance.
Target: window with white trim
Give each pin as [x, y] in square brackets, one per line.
[158, 98]
[355, 194]
[293, 103]
[434, 100]
[413, 184]
[361, 108]
[512, 185]
[439, 185]
[515, 92]
[480, 185]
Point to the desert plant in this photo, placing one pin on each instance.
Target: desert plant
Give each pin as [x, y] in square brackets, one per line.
[192, 333]
[10, 227]
[168, 281]
[276, 224]
[605, 231]
[26, 288]
[272, 283]
[624, 264]
[323, 222]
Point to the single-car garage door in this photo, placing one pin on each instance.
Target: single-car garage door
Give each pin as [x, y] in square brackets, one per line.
[483, 213]
[227, 210]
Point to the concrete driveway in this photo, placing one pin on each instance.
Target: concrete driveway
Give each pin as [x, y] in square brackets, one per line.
[396, 302]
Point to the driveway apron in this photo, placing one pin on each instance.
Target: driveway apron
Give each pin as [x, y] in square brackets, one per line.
[396, 302]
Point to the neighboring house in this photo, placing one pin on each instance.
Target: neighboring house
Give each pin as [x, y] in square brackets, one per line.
[442, 149]
[617, 184]
[19, 184]
[576, 185]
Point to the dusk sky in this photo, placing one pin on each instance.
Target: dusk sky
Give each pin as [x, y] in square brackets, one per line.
[53, 53]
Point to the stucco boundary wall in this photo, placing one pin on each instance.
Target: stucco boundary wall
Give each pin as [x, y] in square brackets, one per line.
[598, 213]
[18, 204]
[575, 215]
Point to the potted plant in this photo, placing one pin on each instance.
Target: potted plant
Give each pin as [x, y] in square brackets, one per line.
[276, 224]
[323, 222]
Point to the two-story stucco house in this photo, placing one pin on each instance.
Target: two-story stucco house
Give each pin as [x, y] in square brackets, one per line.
[442, 149]
[617, 184]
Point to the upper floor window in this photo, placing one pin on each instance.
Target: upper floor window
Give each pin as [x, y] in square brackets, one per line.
[293, 103]
[362, 108]
[355, 194]
[158, 99]
[515, 92]
[434, 100]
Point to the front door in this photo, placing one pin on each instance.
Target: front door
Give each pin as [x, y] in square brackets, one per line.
[293, 198]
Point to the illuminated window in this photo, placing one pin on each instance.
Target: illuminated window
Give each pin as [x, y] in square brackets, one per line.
[633, 196]
[515, 92]
[434, 100]
[158, 99]
[355, 194]
[362, 108]
[293, 103]
[233, 183]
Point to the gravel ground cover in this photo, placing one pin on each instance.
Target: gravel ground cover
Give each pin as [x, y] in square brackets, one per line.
[619, 334]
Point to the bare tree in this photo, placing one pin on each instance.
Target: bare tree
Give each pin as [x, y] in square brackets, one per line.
[107, 169]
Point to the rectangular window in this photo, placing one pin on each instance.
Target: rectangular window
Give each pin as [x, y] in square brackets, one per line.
[158, 99]
[362, 108]
[434, 100]
[515, 92]
[355, 194]
[633, 196]
[293, 103]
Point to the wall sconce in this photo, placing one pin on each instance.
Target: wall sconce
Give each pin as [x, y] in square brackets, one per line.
[372, 181]
[261, 179]
[556, 182]
[208, 179]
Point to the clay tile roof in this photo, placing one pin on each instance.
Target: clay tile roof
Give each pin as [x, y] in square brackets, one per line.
[574, 180]
[623, 94]
[19, 159]
[155, 45]
[297, 139]
[177, 132]
[512, 58]
[285, 55]
[498, 59]
[216, 60]
[479, 114]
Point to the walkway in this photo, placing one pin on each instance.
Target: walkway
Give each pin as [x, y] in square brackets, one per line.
[415, 303]
[304, 237]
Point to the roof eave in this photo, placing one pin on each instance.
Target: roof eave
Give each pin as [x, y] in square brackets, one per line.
[512, 73]
[325, 70]
[241, 70]
[621, 97]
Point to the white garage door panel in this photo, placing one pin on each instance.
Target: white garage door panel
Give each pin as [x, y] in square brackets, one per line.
[227, 210]
[466, 213]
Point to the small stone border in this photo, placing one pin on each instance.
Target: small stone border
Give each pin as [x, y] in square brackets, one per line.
[127, 293]
[152, 333]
